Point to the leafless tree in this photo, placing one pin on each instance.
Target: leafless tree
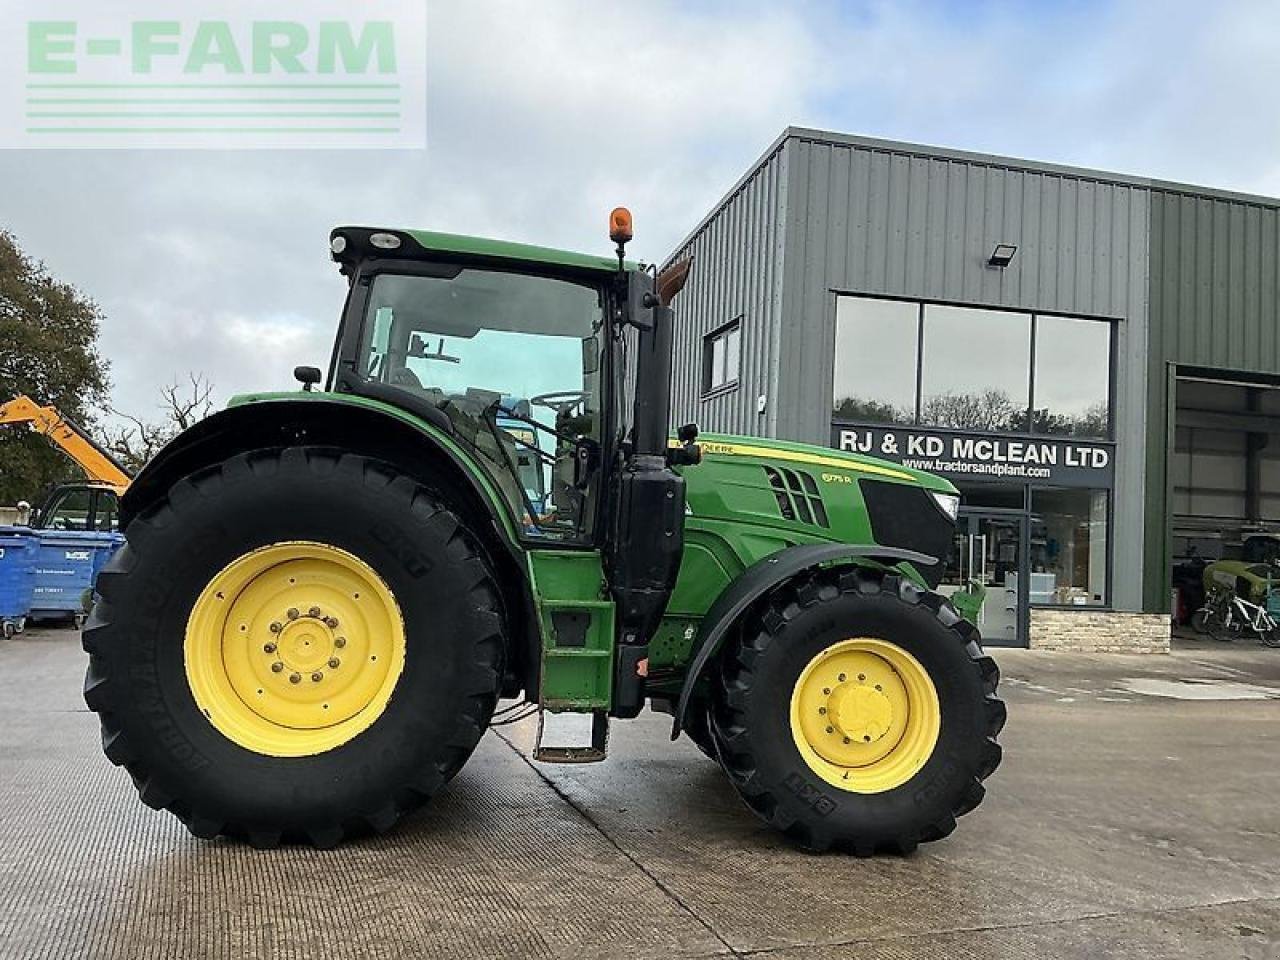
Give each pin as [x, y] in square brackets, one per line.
[182, 405]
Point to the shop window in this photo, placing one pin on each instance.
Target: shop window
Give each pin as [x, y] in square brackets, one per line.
[1069, 547]
[966, 368]
[875, 360]
[976, 369]
[1073, 377]
[722, 357]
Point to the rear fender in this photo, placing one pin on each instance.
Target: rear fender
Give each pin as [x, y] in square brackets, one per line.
[760, 579]
[419, 448]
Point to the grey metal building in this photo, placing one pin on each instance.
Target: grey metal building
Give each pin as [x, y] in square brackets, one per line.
[1092, 358]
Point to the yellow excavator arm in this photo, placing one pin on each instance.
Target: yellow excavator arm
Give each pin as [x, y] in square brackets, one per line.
[96, 462]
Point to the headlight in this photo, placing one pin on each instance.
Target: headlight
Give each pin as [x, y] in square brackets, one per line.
[948, 503]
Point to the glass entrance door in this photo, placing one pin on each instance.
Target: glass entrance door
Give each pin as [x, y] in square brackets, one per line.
[982, 576]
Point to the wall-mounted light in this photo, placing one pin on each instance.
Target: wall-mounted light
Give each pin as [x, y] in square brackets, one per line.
[1002, 255]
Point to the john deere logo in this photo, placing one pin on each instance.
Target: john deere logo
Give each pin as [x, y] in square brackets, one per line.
[322, 74]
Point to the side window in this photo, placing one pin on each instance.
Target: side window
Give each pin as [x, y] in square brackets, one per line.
[722, 357]
[105, 518]
[69, 512]
[514, 361]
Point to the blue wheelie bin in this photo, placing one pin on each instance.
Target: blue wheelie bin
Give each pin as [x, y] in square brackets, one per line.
[18, 549]
[66, 566]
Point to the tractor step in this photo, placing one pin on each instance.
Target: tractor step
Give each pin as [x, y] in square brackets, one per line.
[571, 737]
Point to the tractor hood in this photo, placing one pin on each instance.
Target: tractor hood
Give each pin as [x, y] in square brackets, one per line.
[793, 493]
[784, 452]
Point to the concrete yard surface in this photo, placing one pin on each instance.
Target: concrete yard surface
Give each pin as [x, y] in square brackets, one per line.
[1135, 815]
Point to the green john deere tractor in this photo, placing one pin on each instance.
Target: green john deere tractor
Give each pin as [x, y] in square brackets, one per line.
[324, 595]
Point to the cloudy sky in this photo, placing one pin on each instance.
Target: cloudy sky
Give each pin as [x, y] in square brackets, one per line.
[541, 117]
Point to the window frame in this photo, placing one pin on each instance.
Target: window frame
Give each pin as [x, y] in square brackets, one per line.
[1112, 322]
[709, 340]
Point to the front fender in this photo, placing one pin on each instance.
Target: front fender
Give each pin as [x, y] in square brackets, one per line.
[759, 579]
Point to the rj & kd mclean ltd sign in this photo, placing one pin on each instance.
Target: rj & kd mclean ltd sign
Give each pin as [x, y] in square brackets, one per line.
[978, 456]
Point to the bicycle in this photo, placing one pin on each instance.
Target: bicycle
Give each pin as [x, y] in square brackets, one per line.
[1227, 616]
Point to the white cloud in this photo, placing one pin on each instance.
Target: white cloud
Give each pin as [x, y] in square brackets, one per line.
[542, 117]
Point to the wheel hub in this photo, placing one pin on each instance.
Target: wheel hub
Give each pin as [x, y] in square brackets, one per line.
[860, 713]
[305, 645]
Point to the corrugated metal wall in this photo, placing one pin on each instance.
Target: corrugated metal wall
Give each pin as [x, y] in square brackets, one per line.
[1214, 303]
[738, 255]
[872, 218]
[881, 221]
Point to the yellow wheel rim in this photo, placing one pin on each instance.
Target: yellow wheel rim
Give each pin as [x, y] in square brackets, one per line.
[294, 649]
[865, 715]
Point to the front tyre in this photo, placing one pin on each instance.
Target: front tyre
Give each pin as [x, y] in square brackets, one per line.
[858, 713]
[294, 645]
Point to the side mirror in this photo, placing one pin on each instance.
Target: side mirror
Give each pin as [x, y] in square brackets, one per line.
[307, 376]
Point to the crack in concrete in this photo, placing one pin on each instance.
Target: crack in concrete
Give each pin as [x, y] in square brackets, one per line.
[657, 882]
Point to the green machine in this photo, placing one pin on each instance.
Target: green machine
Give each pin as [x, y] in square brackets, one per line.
[1254, 576]
[324, 594]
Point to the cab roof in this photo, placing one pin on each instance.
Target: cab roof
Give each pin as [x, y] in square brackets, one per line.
[416, 244]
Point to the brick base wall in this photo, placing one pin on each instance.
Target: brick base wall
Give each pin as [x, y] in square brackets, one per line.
[1099, 631]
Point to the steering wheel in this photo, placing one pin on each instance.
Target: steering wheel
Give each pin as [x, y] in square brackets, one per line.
[561, 401]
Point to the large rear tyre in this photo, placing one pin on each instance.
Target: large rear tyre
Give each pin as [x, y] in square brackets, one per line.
[294, 646]
[858, 712]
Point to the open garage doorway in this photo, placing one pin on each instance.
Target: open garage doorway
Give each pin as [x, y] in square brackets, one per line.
[1224, 473]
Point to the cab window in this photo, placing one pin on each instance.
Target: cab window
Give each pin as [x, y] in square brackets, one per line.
[105, 516]
[69, 512]
[514, 361]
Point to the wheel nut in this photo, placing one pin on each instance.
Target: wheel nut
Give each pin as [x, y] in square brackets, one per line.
[862, 677]
[846, 739]
[313, 612]
[831, 730]
[331, 622]
[340, 642]
[292, 613]
[826, 691]
[333, 663]
[276, 626]
[841, 678]
[295, 678]
[822, 709]
[268, 648]
[317, 677]
[277, 667]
